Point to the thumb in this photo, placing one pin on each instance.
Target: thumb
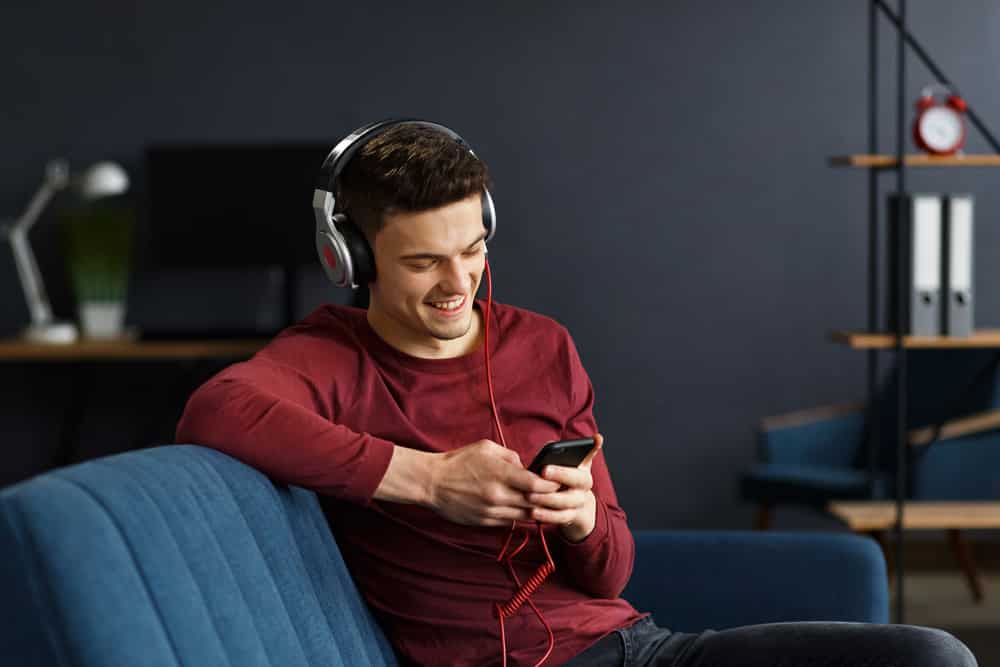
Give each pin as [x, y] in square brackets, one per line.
[589, 459]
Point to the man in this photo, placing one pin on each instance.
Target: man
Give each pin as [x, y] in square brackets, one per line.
[389, 415]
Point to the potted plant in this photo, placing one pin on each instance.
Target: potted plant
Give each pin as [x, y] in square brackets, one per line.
[98, 251]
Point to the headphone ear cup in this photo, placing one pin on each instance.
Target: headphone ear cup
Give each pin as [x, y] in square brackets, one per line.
[333, 255]
[489, 215]
[362, 257]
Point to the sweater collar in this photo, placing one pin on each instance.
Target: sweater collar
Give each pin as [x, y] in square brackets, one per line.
[386, 353]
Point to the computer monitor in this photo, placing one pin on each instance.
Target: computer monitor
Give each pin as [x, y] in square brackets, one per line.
[233, 205]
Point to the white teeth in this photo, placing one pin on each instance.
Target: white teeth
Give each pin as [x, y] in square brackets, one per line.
[449, 305]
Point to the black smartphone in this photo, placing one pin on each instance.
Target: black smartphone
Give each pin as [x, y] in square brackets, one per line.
[569, 453]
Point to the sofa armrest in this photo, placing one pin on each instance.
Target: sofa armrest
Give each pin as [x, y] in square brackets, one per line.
[694, 580]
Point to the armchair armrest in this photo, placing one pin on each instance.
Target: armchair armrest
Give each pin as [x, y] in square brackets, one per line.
[961, 462]
[980, 422]
[828, 435]
[695, 580]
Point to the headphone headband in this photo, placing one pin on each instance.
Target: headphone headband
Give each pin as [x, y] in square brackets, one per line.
[347, 147]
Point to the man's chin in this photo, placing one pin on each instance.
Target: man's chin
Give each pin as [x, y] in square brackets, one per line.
[449, 334]
[450, 331]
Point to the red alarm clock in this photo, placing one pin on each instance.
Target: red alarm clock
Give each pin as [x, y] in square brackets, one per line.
[939, 128]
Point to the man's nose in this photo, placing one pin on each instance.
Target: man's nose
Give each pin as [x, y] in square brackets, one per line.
[455, 277]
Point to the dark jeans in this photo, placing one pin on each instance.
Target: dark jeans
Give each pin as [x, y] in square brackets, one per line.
[814, 644]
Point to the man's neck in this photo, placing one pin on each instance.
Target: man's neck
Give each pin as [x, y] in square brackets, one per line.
[427, 347]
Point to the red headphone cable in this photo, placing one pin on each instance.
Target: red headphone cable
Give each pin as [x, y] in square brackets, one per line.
[524, 592]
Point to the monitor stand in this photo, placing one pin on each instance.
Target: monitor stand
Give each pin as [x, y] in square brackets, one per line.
[289, 294]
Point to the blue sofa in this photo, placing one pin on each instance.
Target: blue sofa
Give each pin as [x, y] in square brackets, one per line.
[180, 555]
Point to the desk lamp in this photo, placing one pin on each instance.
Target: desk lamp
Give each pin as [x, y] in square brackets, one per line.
[102, 179]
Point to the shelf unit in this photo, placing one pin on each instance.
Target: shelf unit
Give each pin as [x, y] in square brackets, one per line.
[877, 163]
[861, 340]
[892, 161]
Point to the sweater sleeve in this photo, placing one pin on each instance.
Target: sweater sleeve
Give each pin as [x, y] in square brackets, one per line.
[271, 418]
[601, 563]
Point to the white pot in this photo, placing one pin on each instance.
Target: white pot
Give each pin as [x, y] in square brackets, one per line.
[102, 319]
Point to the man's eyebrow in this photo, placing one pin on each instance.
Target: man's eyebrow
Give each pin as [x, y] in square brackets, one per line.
[428, 255]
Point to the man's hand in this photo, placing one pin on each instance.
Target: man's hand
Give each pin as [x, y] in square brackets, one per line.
[484, 484]
[573, 507]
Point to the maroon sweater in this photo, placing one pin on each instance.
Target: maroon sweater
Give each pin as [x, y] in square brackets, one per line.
[321, 407]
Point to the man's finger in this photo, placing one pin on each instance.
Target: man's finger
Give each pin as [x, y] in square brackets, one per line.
[553, 516]
[528, 482]
[511, 456]
[572, 477]
[508, 497]
[560, 500]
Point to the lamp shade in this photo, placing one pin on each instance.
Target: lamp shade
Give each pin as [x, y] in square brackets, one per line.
[103, 179]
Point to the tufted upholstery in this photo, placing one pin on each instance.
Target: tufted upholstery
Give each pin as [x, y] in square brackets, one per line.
[175, 556]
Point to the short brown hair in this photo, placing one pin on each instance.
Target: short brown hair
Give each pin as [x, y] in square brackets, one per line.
[408, 168]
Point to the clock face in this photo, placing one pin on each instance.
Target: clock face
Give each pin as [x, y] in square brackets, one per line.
[941, 128]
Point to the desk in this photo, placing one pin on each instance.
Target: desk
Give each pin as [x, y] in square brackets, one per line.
[88, 356]
[873, 517]
[126, 349]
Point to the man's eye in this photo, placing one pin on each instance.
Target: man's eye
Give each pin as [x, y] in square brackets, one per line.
[422, 266]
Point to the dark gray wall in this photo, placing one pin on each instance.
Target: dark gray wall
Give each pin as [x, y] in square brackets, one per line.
[660, 172]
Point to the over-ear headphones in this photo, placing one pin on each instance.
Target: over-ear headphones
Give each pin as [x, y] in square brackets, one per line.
[343, 249]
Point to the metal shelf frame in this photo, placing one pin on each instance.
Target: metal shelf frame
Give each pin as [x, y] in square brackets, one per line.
[904, 39]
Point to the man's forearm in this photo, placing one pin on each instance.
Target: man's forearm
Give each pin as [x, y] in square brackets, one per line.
[601, 563]
[408, 478]
[241, 418]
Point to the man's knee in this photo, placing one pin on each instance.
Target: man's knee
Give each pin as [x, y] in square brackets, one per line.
[931, 647]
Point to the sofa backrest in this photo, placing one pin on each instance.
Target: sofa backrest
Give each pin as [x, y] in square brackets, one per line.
[171, 556]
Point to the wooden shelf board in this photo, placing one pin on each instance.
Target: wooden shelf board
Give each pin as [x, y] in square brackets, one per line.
[917, 515]
[878, 341]
[915, 160]
[90, 350]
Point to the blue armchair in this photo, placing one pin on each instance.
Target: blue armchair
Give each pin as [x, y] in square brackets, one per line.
[180, 555]
[811, 457]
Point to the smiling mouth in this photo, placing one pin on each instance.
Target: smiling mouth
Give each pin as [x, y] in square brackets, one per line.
[448, 306]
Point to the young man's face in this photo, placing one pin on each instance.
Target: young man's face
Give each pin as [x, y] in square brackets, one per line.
[428, 267]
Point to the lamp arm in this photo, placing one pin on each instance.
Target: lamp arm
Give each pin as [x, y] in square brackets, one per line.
[55, 180]
[31, 278]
